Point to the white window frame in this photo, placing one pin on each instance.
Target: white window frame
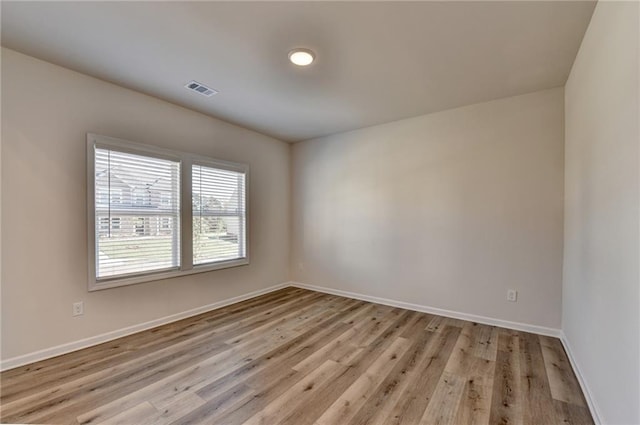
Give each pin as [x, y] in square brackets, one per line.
[184, 220]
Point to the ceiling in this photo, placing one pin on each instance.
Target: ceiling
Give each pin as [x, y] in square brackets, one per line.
[375, 61]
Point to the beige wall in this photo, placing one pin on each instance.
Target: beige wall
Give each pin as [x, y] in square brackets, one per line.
[446, 210]
[601, 292]
[46, 113]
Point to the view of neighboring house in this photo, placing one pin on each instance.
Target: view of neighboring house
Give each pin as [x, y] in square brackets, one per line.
[131, 207]
[137, 206]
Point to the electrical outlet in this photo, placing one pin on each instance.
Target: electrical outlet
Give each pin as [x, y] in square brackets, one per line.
[78, 308]
[512, 295]
[301, 266]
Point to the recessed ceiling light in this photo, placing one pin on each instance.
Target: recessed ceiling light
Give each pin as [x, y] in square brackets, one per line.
[301, 57]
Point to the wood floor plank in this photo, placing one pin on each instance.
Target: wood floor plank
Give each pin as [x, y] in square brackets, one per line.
[246, 407]
[328, 394]
[142, 414]
[369, 325]
[570, 414]
[463, 361]
[506, 403]
[348, 404]
[472, 360]
[443, 406]
[43, 404]
[298, 357]
[562, 381]
[475, 404]
[537, 402]
[418, 393]
[177, 408]
[105, 355]
[299, 394]
[286, 320]
[203, 412]
[377, 325]
[221, 378]
[437, 323]
[138, 377]
[335, 347]
[393, 388]
[353, 317]
[284, 356]
[416, 330]
[487, 342]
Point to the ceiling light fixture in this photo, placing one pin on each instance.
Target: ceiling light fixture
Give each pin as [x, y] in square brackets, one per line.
[301, 57]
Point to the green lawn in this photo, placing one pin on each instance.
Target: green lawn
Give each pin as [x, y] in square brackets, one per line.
[158, 248]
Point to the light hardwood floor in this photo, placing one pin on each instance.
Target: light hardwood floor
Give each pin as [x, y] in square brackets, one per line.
[301, 357]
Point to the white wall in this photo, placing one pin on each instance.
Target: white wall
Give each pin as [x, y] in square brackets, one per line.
[445, 210]
[46, 112]
[601, 293]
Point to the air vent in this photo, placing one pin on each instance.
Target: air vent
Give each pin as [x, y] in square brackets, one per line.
[201, 88]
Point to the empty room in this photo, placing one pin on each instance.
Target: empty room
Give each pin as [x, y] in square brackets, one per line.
[320, 212]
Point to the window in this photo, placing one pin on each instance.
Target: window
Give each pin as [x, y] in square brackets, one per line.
[104, 224]
[142, 196]
[141, 226]
[156, 213]
[115, 194]
[123, 252]
[165, 200]
[102, 196]
[218, 214]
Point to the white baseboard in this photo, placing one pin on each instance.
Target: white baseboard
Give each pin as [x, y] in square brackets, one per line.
[47, 353]
[109, 336]
[591, 402]
[541, 330]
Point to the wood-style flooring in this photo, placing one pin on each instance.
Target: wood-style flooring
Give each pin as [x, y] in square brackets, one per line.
[301, 357]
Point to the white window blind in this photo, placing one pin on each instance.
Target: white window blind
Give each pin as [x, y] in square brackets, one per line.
[137, 201]
[219, 214]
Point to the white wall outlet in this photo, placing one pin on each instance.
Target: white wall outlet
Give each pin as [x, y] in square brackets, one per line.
[78, 308]
[512, 295]
[301, 266]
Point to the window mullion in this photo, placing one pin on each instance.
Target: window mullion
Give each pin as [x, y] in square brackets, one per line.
[186, 215]
[241, 221]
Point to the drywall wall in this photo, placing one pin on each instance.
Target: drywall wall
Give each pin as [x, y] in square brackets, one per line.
[446, 210]
[46, 112]
[601, 292]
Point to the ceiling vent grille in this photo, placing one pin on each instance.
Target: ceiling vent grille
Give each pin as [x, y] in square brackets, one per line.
[201, 88]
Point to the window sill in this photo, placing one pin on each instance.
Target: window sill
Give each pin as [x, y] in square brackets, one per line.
[151, 277]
